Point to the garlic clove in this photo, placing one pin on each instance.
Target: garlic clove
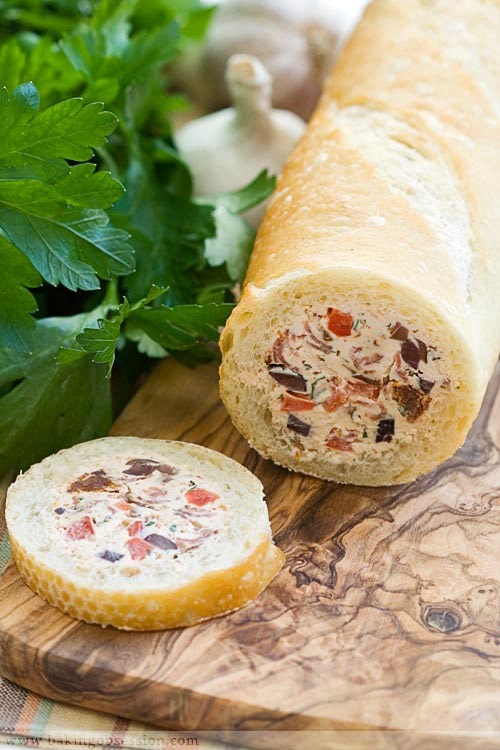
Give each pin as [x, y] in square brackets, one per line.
[227, 149]
[250, 87]
[296, 40]
[282, 48]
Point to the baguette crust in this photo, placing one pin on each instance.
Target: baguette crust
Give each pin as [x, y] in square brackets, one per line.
[390, 198]
[212, 595]
[66, 513]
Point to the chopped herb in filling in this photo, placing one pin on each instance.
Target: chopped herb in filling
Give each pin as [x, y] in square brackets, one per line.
[137, 510]
[347, 378]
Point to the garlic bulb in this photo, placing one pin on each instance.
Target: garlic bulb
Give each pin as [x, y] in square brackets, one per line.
[296, 40]
[227, 149]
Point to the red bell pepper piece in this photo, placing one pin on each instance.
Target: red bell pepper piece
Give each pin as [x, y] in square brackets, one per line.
[339, 323]
[138, 548]
[342, 442]
[81, 529]
[134, 528]
[335, 401]
[200, 497]
[291, 402]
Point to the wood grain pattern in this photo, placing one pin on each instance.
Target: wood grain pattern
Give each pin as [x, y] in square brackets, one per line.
[387, 615]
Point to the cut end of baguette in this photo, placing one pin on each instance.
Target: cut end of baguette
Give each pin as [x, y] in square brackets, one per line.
[359, 383]
[141, 534]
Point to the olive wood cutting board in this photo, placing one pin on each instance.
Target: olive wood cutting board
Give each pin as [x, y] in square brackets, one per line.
[386, 616]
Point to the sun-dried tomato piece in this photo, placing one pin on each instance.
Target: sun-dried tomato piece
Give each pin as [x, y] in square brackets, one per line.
[339, 323]
[94, 481]
[134, 528]
[81, 529]
[138, 548]
[200, 497]
[316, 342]
[412, 403]
[342, 441]
[277, 355]
[362, 360]
[400, 368]
[373, 381]
[357, 389]
[292, 402]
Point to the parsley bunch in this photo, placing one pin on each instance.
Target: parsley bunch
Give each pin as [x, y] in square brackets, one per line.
[106, 258]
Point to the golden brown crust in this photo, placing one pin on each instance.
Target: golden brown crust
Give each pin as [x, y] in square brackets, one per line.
[212, 595]
[400, 61]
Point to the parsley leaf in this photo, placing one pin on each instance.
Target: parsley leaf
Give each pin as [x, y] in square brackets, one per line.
[47, 405]
[183, 326]
[95, 53]
[41, 197]
[241, 200]
[102, 340]
[231, 245]
[66, 222]
[16, 302]
[168, 329]
[86, 188]
[35, 144]
[169, 232]
[234, 238]
[66, 245]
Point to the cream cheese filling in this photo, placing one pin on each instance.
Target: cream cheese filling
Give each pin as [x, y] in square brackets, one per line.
[346, 381]
[137, 516]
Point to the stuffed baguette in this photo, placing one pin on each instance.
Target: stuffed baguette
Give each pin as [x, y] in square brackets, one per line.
[369, 323]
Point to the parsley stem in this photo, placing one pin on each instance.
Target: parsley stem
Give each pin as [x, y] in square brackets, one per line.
[41, 21]
[313, 387]
[108, 161]
[110, 298]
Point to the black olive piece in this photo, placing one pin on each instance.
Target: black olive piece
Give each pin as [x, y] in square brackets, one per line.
[289, 379]
[426, 386]
[422, 348]
[411, 354]
[385, 431]
[110, 556]
[297, 425]
[158, 540]
[399, 332]
[143, 467]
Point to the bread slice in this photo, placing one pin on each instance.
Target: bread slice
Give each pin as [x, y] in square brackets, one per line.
[141, 534]
[369, 323]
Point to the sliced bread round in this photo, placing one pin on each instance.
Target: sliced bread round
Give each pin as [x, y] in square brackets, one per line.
[141, 534]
